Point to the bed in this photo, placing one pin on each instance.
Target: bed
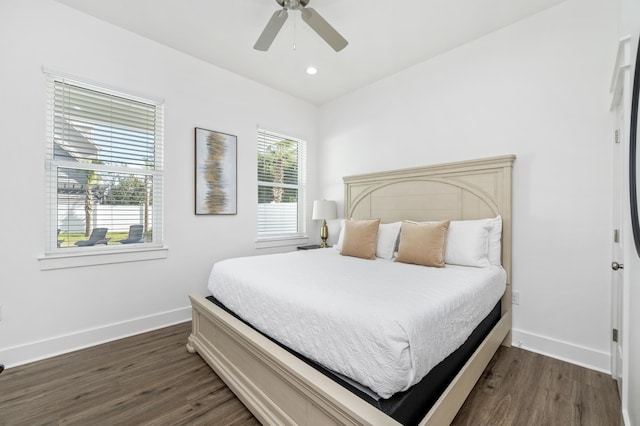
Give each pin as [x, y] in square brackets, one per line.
[282, 388]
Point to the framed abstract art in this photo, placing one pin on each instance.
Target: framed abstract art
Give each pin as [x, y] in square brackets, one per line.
[215, 172]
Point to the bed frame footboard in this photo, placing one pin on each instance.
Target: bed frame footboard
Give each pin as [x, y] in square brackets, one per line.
[279, 388]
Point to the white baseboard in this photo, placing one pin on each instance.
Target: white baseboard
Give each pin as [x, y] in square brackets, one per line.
[574, 354]
[35, 351]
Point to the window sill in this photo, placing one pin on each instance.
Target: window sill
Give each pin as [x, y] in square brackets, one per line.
[77, 260]
[263, 243]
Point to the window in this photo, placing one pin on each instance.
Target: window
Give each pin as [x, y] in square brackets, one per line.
[281, 186]
[103, 169]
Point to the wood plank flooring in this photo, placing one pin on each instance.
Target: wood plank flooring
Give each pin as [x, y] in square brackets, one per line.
[519, 387]
[151, 379]
[142, 380]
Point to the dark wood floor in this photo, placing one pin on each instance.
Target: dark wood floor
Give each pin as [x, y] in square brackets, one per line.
[519, 387]
[152, 379]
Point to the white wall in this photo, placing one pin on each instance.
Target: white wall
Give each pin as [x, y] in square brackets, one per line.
[45, 312]
[537, 89]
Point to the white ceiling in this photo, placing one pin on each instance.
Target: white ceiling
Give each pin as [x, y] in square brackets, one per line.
[385, 36]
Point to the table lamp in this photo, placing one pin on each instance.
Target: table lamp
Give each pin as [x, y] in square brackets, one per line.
[324, 209]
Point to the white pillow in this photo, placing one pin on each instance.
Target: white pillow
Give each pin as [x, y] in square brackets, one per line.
[495, 239]
[468, 243]
[338, 245]
[387, 239]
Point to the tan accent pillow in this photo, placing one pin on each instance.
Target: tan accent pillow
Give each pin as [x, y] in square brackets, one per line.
[423, 243]
[360, 238]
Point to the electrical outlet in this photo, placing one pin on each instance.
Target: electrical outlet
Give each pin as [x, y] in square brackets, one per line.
[515, 297]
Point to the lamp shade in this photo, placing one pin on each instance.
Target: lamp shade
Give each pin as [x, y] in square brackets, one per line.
[324, 209]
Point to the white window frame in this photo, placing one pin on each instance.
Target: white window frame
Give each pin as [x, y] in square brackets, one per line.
[55, 257]
[299, 236]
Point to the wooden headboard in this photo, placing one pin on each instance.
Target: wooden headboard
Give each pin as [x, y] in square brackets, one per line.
[474, 189]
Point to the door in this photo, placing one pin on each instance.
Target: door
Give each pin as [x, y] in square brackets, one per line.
[617, 264]
[621, 90]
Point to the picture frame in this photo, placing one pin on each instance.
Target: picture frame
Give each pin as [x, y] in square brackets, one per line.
[215, 172]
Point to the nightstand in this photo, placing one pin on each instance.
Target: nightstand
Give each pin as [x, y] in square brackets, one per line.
[309, 247]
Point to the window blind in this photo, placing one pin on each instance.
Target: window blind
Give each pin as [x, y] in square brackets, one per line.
[281, 185]
[104, 165]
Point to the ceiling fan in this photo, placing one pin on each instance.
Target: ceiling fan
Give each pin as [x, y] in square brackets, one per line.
[309, 15]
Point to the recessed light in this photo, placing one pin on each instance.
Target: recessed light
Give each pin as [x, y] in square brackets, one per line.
[312, 71]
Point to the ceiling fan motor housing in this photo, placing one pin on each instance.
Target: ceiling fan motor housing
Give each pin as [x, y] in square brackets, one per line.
[293, 4]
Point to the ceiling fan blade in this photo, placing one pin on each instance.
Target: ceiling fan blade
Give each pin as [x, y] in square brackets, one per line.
[271, 30]
[324, 30]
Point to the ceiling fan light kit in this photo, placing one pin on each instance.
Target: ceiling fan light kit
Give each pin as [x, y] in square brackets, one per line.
[309, 15]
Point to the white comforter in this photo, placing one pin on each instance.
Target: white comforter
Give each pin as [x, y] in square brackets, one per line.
[381, 323]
